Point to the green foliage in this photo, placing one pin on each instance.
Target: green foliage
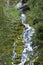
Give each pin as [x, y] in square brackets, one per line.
[35, 19]
[18, 50]
[35, 14]
[38, 41]
[11, 30]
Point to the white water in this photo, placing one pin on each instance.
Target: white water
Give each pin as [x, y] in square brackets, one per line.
[27, 35]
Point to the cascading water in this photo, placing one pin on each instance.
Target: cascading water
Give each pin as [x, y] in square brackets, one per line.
[27, 34]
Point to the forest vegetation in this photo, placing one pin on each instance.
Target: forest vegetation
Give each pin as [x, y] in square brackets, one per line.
[11, 30]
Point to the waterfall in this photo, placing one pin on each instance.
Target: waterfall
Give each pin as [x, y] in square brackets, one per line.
[27, 36]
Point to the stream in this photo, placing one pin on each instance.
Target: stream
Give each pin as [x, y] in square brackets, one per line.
[27, 36]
